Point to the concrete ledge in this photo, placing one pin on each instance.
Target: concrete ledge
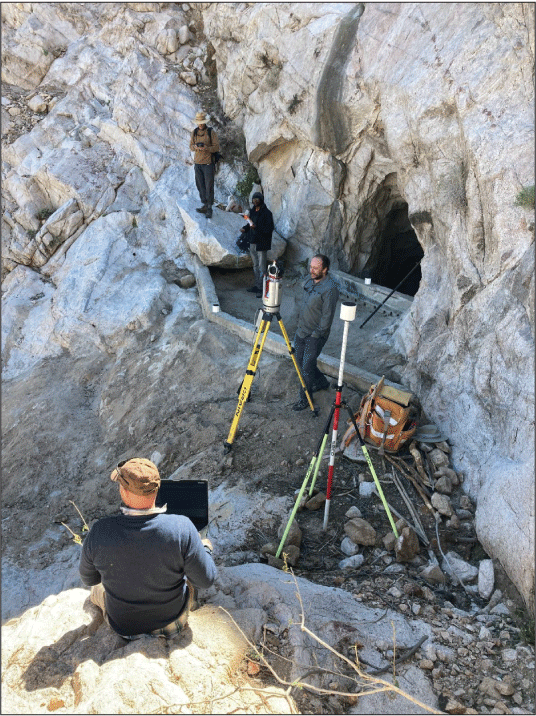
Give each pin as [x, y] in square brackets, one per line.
[355, 287]
[359, 379]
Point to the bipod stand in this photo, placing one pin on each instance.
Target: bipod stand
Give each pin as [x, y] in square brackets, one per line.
[371, 468]
[313, 468]
[251, 370]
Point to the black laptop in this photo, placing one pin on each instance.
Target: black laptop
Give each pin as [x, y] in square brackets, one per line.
[185, 497]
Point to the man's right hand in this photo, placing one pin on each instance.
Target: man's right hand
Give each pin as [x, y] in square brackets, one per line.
[207, 543]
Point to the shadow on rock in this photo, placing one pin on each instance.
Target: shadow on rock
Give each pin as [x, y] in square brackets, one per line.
[53, 664]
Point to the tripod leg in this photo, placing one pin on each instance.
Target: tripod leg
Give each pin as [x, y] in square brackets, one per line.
[317, 466]
[295, 508]
[321, 447]
[248, 379]
[373, 472]
[298, 371]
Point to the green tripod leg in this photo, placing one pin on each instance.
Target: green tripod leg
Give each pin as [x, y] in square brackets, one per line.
[322, 446]
[317, 457]
[371, 468]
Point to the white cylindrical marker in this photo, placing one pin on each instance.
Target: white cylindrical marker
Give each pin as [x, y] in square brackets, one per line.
[348, 310]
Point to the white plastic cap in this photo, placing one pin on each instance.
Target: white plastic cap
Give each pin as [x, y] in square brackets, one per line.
[348, 311]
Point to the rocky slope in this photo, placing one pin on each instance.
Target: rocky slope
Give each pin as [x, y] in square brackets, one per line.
[359, 109]
[354, 112]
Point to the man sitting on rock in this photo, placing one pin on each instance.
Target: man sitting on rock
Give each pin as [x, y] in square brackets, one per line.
[136, 563]
[259, 233]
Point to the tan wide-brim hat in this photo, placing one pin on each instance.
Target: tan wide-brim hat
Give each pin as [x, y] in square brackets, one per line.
[201, 118]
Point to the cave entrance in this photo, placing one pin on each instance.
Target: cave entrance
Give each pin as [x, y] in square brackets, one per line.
[396, 252]
[388, 247]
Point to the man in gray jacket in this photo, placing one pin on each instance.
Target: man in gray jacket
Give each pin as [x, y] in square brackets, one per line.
[314, 324]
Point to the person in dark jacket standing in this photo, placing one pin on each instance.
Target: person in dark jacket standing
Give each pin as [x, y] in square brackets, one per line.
[137, 563]
[259, 232]
[320, 298]
[204, 143]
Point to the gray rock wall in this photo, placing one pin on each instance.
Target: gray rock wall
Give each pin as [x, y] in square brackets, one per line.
[351, 110]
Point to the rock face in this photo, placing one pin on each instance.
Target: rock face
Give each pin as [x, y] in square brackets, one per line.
[362, 111]
[366, 122]
[61, 654]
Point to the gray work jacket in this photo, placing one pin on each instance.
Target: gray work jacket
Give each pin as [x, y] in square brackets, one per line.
[318, 308]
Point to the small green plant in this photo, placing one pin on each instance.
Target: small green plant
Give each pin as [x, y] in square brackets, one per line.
[44, 214]
[45, 52]
[265, 59]
[245, 185]
[526, 626]
[525, 197]
[294, 104]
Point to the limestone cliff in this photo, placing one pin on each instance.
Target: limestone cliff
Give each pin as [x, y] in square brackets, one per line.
[352, 113]
[357, 110]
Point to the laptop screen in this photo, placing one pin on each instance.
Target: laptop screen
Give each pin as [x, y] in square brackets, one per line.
[185, 497]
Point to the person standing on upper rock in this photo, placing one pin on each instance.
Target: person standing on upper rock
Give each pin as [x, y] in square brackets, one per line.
[137, 563]
[314, 324]
[259, 233]
[204, 143]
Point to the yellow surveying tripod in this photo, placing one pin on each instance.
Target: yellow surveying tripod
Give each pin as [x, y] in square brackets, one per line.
[270, 304]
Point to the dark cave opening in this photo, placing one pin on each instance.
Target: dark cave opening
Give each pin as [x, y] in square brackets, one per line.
[396, 251]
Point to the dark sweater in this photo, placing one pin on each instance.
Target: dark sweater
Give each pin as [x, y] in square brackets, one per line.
[261, 233]
[142, 562]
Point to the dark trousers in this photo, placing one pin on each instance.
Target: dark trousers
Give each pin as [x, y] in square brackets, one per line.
[260, 262]
[204, 181]
[306, 352]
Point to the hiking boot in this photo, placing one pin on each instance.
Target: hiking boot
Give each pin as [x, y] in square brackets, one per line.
[202, 209]
[253, 289]
[208, 212]
[302, 404]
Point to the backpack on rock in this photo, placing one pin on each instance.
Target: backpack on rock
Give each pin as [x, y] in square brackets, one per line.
[385, 419]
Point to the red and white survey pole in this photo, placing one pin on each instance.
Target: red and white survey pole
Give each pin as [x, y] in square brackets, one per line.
[348, 310]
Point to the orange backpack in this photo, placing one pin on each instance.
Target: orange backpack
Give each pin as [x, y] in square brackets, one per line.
[385, 419]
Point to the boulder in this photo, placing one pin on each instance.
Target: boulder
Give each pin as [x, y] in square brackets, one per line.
[62, 652]
[443, 485]
[316, 502]
[37, 104]
[294, 536]
[214, 240]
[352, 562]
[459, 568]
[360, 531]
[486, 578]
[442, 504]
[407, 545]
[348, 547]
[433, 574]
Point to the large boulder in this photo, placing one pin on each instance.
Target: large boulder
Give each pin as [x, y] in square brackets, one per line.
[214, 240]
[62, 655]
